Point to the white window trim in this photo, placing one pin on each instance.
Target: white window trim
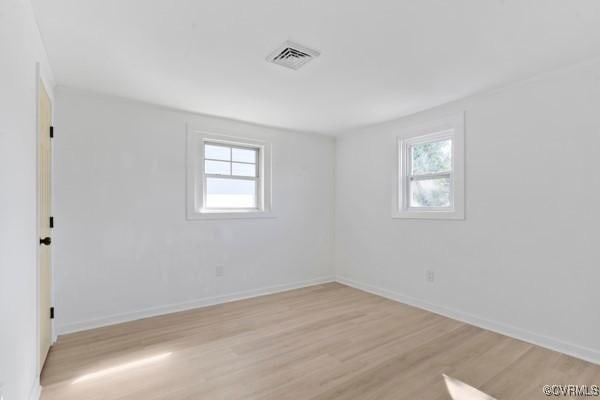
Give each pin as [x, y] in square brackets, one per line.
[196, 177]
[449, 127]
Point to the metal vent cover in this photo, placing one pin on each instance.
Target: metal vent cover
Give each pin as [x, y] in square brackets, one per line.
[292, 55]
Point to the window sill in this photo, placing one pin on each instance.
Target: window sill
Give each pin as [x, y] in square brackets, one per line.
[211, 215]
[450, 214]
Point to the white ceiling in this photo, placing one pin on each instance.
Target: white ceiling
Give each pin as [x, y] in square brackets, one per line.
[380, 59]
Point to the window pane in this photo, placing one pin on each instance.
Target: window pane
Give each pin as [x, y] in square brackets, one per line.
[243, 169]
[217, 152]
[230, 193]
[216, 167]
[430, 158]
[430, 193]
[244, 155]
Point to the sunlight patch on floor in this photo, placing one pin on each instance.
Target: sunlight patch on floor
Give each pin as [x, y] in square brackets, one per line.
[121, 367]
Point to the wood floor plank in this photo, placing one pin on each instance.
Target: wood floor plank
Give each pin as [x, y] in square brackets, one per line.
[319, 343]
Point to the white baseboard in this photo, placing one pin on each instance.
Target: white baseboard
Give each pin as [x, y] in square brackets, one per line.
[585, 353]
[188, 305]
[36, 390]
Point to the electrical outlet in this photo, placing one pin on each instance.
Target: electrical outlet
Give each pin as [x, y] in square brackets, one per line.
[430, 276]
[220, 270]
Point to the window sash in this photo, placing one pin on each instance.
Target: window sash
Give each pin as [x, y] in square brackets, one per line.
[428, 177]
[257, 178]
[256, 199]
[231, 162]
[408, 176]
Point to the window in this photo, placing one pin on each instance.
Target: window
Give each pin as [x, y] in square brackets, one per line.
[430, 173]
[227, 177]
[231, 177]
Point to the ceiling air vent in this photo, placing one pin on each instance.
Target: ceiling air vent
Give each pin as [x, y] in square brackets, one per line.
[292, 55]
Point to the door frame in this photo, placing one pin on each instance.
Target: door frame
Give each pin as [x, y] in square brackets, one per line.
[41, 79]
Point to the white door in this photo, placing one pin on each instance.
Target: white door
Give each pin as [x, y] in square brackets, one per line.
[44, 194]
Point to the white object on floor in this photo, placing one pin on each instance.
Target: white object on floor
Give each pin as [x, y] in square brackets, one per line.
[461, 391]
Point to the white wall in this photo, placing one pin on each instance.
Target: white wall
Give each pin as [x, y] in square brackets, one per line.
[20, 49]
[525, 261]
[123, 247]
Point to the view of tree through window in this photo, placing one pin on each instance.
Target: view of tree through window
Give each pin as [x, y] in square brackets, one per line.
[430, 165]
[431, 158]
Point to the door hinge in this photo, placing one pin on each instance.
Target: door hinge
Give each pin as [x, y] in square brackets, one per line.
[51, 224]
[51, 131]
[51, 312]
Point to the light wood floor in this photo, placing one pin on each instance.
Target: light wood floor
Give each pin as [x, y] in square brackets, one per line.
[323, 342]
